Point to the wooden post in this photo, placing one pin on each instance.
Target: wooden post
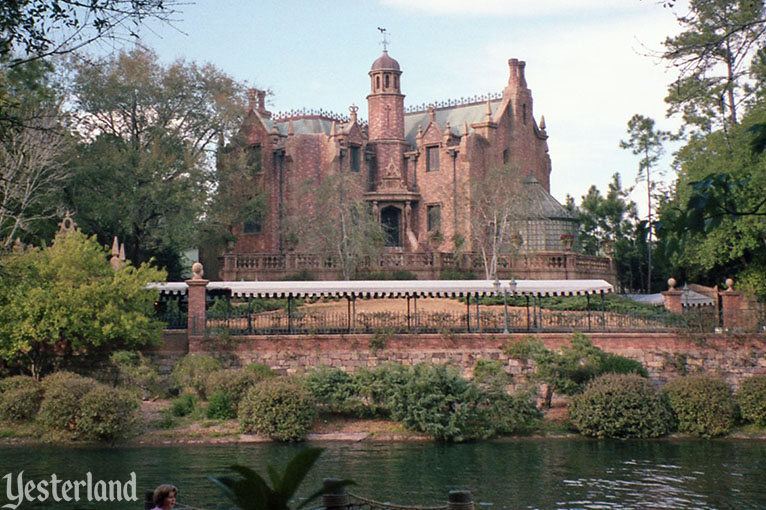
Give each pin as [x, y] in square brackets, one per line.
[337, 499]
[460, 500]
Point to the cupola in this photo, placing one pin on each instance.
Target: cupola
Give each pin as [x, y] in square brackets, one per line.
[384, 75]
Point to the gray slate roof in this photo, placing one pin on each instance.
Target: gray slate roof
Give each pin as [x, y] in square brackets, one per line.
[456, 115]
[541, 204]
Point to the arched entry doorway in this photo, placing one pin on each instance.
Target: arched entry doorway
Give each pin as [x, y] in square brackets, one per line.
[391, 219]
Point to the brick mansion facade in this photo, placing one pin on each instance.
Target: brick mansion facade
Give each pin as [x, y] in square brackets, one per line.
[413, 168]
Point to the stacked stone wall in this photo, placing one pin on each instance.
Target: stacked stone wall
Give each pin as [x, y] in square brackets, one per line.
[665, 355]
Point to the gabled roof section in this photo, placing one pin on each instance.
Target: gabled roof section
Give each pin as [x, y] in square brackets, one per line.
[455, 115]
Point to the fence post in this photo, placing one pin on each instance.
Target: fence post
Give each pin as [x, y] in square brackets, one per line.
[197, 315]
[731, 302]
[460, 500]
[335, 499]
[672, 297]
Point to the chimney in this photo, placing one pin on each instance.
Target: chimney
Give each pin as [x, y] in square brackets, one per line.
[516, 77]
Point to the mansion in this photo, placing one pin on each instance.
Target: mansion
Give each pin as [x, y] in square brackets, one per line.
[414, 168]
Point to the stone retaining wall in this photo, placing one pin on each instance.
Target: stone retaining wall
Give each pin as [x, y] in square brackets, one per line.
[666, 355]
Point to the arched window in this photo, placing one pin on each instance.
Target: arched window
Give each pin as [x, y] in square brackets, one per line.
[396, 82]
[377, 83]
[386, 83]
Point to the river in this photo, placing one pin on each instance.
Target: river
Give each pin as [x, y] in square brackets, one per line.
[518, 474]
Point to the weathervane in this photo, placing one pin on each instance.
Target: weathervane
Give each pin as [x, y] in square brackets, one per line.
[384, 33]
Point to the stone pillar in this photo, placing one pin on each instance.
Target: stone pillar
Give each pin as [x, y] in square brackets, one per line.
[672, 297]
[196, 317]
[731, 302]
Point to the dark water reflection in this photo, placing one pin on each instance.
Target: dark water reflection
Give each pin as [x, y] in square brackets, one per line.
[526, 474]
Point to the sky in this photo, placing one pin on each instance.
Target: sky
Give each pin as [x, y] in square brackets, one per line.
[591, 65]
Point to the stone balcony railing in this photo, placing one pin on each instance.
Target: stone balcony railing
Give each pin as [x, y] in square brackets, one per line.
[549, 265]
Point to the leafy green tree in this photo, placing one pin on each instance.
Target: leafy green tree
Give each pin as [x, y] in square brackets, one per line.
[716, 224]
[146, 162]
[646, 141]
[66, 300]
[717, 53]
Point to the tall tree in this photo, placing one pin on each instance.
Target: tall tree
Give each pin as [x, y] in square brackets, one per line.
[333, 220]
[714, 55]
[646, 141]
[718, 215]
[146, 160]
[497, 214]
[35, 29]
[33, 151]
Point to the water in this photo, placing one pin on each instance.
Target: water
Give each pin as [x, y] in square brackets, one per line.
[523, 474]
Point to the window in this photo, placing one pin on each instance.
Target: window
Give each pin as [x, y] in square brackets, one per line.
[396, 82]
[377, 82]
[386, 82]
[355, 158]
[254, 224]
[432, 158]
[434, 217]
[506, 156]
[254, 159]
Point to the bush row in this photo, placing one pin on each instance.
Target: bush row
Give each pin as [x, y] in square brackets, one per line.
[65, 401]
[617, 405]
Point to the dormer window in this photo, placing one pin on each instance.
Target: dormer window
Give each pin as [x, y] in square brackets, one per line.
[432, 158]
[354, 155]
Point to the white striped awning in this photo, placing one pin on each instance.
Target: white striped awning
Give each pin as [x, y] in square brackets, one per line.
[398, 288]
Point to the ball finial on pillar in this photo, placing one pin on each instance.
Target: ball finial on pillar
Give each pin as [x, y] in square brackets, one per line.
[198, 271]
[672, 283]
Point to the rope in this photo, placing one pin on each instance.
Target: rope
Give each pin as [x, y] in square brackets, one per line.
[378, 504]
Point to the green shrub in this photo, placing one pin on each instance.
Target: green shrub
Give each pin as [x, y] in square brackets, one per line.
[107, 414]
[505, 414]
[61, 402]
[135, 372]
[304, 275]
[620, 405]
[334, 389]
[193, 370]
[184, 405]
[280, 408]
[21, 403]
[377, 387]
[220, 406]
[703, 404]
[59, 378]
[616, 364]
[261, 370]
[436, 400]
[456, 274]
[403, 274]
[16, 382]
[491, 373]
[234, 382]
[751, 398]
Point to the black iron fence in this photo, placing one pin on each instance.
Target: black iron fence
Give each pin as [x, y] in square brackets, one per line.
[242, 320]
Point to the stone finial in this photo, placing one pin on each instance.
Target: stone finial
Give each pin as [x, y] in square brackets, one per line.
[114, 260]
[432, 113]
[729, 285]
[488, 113]
[447, 132]
[352, 110]
[672, 283]
[419, 136]
[67, 224]
[465, 128]
[290, 128]
[122, 254]
[542, 122]
[333, 130]
[197, 271]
